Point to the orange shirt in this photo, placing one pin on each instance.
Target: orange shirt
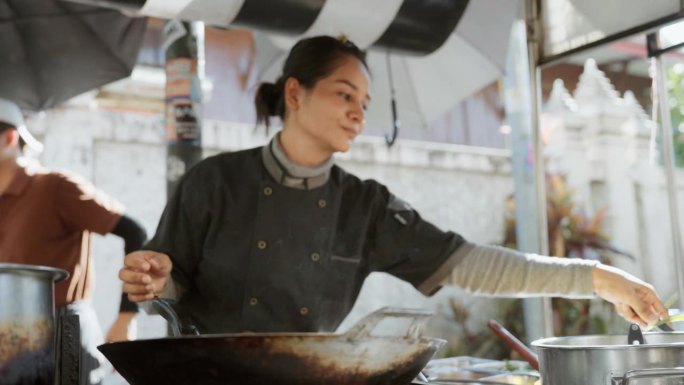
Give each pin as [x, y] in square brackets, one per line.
[46, 219]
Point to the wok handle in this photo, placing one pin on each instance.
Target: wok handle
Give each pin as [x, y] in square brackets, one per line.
[163, 307]
[651, 373]
[177, 328]
[365, 326]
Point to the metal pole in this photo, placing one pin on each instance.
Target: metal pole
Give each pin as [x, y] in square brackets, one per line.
[522, 114]
[667, 134]
[184, 43]
[543, 306]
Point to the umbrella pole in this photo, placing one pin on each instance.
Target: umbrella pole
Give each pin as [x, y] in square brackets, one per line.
[667, 134]
[184, 44]
[522, 101]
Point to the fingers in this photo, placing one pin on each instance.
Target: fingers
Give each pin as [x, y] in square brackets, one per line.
[645, 312]
[139, 293]
[134, 277]
[144, 269]
[144, 274]
[651, 297]
[138, 260]
[159, 263]
[646, 304]
[140, 297]
[627, 313]
[138, 289]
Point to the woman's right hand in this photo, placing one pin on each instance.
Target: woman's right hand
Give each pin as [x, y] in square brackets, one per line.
[145, 274]
[634, 299]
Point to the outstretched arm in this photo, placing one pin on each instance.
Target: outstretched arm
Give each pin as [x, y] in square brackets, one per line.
[505, 272]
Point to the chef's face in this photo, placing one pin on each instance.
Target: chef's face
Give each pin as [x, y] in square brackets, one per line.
[332, 112]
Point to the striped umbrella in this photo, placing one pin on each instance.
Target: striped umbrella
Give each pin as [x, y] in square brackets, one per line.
[440, 51]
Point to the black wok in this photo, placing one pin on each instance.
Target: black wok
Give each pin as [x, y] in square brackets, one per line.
[353, 358]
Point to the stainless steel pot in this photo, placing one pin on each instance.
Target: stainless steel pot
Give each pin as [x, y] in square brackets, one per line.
[610, 360]
[27, 323]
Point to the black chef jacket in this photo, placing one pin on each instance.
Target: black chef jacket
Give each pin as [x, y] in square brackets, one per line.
[254, 255]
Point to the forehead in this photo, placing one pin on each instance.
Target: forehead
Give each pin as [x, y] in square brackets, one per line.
[352, 70]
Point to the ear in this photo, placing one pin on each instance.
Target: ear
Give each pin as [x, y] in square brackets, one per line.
[9, 138]
[293, 94]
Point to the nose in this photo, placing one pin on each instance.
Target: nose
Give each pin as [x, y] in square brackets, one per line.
[357, 114]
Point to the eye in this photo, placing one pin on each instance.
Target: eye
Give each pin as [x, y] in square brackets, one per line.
[347, 97]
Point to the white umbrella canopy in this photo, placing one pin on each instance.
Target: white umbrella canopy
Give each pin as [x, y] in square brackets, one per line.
[426, 87]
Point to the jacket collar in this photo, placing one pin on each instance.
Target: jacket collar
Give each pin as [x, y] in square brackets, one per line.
[290, 174]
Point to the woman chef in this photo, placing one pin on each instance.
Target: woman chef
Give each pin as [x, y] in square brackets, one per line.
[279, 238]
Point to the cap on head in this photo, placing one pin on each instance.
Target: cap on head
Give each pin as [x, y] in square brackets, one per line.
[11, 114]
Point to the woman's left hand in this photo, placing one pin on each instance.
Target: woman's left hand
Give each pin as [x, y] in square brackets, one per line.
[634, 299]
[123, 328]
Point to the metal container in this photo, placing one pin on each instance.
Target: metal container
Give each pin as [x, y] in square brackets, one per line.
[27, 323]
[455, 368]
[610, 360]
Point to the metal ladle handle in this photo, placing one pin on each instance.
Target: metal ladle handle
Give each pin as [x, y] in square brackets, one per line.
[513, 342]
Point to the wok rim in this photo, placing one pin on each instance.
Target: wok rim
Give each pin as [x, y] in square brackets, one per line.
[284, 335]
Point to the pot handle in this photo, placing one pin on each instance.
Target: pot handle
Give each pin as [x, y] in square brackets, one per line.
[365, 326]
[649, 373]
[634, 336]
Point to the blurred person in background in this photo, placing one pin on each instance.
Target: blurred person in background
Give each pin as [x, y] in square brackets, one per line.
[46, 218]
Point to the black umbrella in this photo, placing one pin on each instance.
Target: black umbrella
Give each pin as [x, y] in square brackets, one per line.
[52, 50]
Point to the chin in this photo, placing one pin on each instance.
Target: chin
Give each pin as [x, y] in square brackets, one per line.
[343, 146]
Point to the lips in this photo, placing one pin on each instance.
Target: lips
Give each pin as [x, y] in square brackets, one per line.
[352, 131]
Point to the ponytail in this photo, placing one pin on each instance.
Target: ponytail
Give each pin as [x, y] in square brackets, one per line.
[269, 101]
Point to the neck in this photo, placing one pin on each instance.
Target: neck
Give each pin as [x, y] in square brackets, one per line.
[8, 169]
[302, 149]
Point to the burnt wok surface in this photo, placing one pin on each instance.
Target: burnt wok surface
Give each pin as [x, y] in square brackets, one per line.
[277, 360]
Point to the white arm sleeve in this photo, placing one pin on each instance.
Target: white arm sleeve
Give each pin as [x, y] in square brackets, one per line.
[499, 271]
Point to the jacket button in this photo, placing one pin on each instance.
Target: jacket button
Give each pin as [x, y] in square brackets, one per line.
[268, 191]
[261, 245]
[304, 311]
[315, 257]
[253, 301]
[322, 203]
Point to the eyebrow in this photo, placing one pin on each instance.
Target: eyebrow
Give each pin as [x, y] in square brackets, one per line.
[352, 85]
